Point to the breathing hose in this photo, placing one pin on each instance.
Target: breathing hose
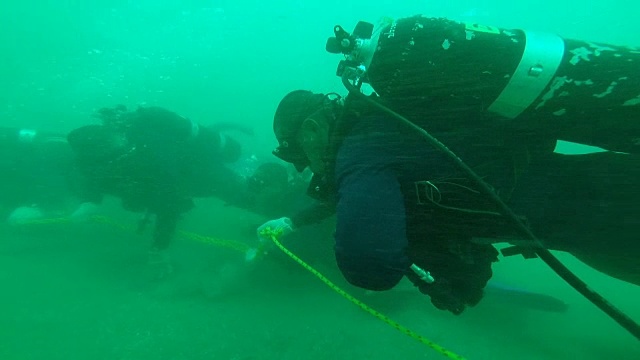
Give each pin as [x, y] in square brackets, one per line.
[621, 318]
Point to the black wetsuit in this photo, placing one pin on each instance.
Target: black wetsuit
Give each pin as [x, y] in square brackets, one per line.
[389, 217]
[155, 161]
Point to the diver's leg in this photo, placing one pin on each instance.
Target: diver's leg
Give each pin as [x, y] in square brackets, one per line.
[590, 207]
[160, 265]
[166, 224]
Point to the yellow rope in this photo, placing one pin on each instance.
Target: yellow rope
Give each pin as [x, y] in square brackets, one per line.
[269, 234]
[273, 236]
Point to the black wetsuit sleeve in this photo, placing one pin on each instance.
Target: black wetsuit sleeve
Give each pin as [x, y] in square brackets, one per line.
[313, 214]
[371, 219]
[220, 182]
[371, 240]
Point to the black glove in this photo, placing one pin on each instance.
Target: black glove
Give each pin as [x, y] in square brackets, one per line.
[441, 294]
[460, 277]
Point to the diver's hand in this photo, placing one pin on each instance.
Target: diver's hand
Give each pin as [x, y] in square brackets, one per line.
[444, 297]
[84, 212]
[459, 282]
[453, 294]
[24, 215]
[279, 227]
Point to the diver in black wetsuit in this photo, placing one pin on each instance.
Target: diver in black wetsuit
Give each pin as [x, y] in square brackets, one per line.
[156, 162]
[401, 203]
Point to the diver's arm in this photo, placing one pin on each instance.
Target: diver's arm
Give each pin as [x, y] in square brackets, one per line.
[371, 240]
[222, 183]
[11, 136]
[313, 214]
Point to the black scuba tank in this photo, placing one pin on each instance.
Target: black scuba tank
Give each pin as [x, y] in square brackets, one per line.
[451, 74]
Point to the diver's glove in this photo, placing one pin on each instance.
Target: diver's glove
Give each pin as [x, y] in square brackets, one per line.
[444, 296]
[84, 212]
[459, 281]
[279, 227]
[24, 215]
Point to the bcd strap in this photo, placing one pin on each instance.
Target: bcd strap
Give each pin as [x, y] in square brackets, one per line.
[518, 247]
[458, 198]
[525, 251]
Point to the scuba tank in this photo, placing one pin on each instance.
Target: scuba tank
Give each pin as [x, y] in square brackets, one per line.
[455, 74]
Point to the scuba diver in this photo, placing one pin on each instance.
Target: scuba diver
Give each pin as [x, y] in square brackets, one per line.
[400, 203]
[36, 168]
[156, 162]
[404, 208]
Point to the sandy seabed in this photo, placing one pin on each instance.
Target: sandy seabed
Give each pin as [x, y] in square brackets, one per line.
[86, 291]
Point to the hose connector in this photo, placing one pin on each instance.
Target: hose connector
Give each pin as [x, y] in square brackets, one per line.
[423, 274]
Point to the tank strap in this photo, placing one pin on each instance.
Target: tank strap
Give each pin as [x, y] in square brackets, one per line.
[540, 61]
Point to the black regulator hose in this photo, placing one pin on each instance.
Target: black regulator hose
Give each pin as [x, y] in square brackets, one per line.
[621, 318]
